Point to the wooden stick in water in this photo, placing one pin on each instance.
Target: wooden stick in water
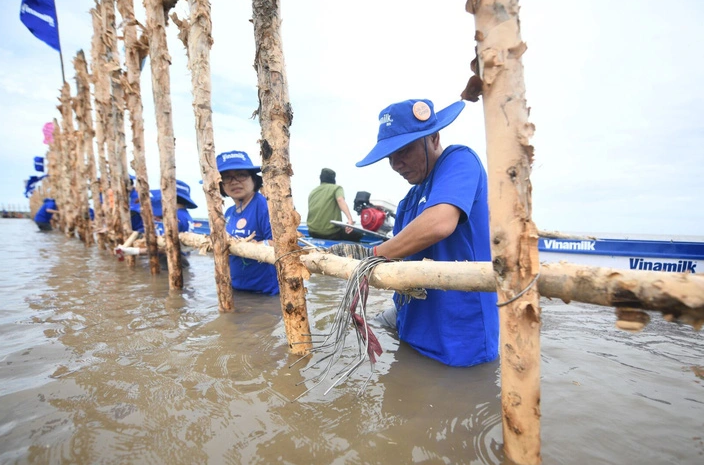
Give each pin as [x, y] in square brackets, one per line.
[196, 37]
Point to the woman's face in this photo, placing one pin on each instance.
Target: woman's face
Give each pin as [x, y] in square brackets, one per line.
[238, 184]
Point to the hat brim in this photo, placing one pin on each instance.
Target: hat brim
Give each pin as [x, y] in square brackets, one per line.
[186, 201]
[388, 146]
[227, 166]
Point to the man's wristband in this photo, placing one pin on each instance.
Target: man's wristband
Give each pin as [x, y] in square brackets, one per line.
[374, 251]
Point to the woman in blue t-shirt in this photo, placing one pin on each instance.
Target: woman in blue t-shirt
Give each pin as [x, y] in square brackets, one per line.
[248, 216]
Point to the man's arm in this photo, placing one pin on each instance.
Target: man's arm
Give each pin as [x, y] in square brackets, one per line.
[343, 206]
[430, 227]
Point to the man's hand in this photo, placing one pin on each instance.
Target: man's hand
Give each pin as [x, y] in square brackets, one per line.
[356, 251]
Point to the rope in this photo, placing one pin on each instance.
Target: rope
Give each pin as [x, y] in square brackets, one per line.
[518, 296]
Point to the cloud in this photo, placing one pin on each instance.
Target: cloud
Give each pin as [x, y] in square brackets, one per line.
[614, 90]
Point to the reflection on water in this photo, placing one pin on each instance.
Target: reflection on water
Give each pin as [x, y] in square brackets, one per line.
[101, 363]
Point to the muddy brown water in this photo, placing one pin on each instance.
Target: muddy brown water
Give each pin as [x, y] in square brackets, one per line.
[101, 363]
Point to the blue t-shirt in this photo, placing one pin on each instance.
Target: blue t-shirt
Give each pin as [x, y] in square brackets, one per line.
[185, 222]
[43, 216]
[457, 328]
[136, 221]
[251, 275]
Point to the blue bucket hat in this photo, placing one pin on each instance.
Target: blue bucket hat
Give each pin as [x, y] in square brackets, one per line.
[404, 122]
[183, 192]
[235, 160]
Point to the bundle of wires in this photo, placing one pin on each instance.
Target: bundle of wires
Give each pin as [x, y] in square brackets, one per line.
[351, 314]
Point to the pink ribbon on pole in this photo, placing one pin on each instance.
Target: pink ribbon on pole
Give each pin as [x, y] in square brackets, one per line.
[48, 131]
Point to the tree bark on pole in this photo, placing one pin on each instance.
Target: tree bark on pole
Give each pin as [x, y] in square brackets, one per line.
[59, 175]
[679, 297]
[116, 130]
[135, 50]
[513, 233]
[50, 185]
[101, 93]
[65, 202]
[84, 107]
[161, 87]
[84, 116]
[275, 115]
[196, 37]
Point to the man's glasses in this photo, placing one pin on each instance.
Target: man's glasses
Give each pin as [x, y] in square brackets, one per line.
[228, 178]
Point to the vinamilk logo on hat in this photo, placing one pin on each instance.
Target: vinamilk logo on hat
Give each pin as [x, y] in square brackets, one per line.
[404, 122]
[235, 160]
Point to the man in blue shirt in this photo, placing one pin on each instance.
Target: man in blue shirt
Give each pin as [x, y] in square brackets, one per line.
[44, 214]
[444, 217]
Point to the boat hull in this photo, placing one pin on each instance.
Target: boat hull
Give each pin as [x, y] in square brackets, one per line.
[629, 254]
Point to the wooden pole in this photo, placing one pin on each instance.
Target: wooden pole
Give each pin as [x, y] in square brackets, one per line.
[50, 184]
[65, 200]
[116, 129]
[678, 296]
[86, 126]
[196, 37]
[161, 87]
[101, 83]
[84, 117]
[135, 50]
[514, 237]
[275, 115]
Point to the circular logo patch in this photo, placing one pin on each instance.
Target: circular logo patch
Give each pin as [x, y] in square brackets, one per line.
[421, 111]
[241, 223]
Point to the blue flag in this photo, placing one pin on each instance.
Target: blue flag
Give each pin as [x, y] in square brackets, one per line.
[31, 183]
[40, 18]
[39, 164]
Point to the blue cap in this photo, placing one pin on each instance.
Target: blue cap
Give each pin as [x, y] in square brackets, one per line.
[183, 192]
[235, 160]
[404, 122]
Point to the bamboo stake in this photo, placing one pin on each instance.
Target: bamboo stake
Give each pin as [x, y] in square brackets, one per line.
[135, 50]
[86, 127]
[161, 87]
[275, 117]
[514, 235]
[196, 37]
[101, 83]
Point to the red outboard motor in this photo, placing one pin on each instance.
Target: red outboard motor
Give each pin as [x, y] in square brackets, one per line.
[377, 218]
[372, 219]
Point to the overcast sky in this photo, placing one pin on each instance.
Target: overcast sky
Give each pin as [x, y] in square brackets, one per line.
[615, 90]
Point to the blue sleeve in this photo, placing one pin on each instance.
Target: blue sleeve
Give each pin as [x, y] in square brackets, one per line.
[457, 179]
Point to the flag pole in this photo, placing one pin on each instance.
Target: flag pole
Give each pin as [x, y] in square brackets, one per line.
[58, 36]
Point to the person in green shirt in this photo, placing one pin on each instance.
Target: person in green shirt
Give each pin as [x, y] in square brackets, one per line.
[325, 203]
